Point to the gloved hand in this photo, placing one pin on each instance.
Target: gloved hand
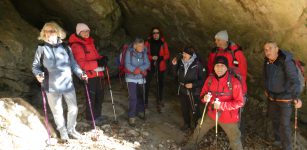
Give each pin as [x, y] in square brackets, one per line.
[144, 73]
[103, 61]
[137, 71]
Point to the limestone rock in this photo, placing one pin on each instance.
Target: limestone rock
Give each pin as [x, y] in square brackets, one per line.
[21, 126]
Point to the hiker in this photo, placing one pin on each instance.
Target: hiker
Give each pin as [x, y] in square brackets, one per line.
[233, 53]
[90, 61]
[136, 64]
[191, 78]
[230, 100]
[158, 54]
[282, 88]
[53, 66]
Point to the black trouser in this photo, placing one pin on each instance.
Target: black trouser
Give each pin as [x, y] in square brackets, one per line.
[187, 109]
[96, 92]
[160, 85]
[280, 114]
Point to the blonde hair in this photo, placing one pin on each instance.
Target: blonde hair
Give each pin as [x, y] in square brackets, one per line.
[54, 26]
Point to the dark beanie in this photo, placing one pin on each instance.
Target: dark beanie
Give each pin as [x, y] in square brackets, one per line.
[221, 60]
[189, 50]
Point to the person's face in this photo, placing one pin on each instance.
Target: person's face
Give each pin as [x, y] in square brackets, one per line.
[139, 47]
[186, 56]
[270, 51]
[220, 69]
[49, 31]
[220, 43]
[85, 33]
[156, 34]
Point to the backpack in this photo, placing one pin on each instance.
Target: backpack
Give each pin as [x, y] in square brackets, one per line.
[232, 48]
[301, 76]
[121, 60]
[233, 72]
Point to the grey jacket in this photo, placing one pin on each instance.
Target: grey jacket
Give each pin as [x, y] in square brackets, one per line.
[57, 64]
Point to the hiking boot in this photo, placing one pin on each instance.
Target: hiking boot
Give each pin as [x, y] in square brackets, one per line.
[132, 122]
[141, 115]
[63, 134]
[276, 144]
[75, 134]
[185, 128]
[159, 108]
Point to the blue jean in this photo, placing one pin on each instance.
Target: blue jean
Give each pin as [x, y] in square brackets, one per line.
[136, 100]
[280, 114]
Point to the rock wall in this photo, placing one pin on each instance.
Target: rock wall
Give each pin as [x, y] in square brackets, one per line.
[17, 46]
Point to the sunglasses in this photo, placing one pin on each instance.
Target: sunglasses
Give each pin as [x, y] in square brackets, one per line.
[50, 31]
[155, 32]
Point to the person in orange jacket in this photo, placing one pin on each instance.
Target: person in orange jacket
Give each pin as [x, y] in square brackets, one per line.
[93, 64]
[158, 54]
[228, 90]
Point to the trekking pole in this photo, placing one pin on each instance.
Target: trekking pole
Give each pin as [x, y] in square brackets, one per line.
[203, 115]
[45, 109]
[295, 128]
[110, 89]
[216, 122]
[191, 100]
[144, 97]
[90, 105]
[157, 83]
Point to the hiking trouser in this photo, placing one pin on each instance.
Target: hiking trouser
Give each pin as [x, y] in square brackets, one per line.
[280, 114]
[96, 92]
[55, 104]
[136, 102]
[186, 109]
[149, 77]
[231, 129]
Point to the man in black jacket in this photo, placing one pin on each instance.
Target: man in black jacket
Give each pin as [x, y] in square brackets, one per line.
[282, 87]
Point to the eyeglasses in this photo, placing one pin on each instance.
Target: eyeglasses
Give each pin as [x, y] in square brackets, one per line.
[155, 32]
[50, 31]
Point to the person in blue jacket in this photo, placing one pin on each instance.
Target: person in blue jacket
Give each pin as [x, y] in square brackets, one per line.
[53, 66]
[282, 88]
[137, 63]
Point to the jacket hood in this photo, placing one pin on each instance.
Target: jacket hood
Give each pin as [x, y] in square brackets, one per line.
[287, 55]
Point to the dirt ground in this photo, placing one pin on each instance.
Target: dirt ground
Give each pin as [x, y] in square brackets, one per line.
[160, 130]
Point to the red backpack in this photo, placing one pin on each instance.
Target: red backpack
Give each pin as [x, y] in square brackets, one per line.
[121, 60]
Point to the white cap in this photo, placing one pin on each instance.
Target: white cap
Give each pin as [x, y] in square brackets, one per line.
[222, 35]
[81, 27]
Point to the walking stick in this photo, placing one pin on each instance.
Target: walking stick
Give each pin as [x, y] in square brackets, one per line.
[216, 123]
[203, 115]
[110, 89]
[295, 128]
[191, 98]
[90, 105]
[45, 109]
[158, 88]
[144, 98]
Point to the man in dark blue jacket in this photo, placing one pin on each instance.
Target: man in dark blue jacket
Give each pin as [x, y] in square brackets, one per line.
[282, 87]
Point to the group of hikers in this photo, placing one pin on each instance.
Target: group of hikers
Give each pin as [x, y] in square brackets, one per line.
[220, 86]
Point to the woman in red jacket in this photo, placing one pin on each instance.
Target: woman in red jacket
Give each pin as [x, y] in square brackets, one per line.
[158, 54]
[228, 90]
[93, 64]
